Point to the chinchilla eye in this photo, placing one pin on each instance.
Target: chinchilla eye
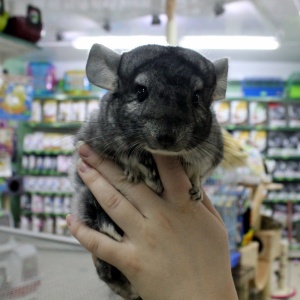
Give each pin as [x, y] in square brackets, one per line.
[141, 92]
[197, 97]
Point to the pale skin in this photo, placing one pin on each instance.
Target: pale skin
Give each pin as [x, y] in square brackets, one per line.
[172, 248]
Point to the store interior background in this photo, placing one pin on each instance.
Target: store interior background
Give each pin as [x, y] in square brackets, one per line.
[64, 21]
[67, 20]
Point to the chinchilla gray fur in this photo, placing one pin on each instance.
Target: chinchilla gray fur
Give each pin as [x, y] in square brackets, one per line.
[159, 101]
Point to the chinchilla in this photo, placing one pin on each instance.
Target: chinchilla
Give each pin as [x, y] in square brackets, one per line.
[159, 101]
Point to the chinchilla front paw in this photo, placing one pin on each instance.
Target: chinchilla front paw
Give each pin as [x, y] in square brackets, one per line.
[196, 193]
[132, 175]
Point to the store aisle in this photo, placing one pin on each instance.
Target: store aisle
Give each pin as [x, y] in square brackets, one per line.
[70, 276]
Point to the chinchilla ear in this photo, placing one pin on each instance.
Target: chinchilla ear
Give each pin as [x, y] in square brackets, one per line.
[102, 67]
[221, 67]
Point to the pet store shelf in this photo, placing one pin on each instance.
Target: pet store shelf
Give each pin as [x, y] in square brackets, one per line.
[281, 201]
[56, 125]
[61, 97]
[286, 179]
[283, 157]
[44, 214]
[14, 47]
[49, 152]
[62, 194]
[295, 246]
[268, 128]
[42, 173]
[263, 99]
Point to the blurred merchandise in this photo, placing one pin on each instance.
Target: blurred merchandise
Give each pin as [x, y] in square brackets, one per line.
[28, 28]
[76, 83]
[258, 138]
[293, 86]
[258, 113]
[43, 77]
[222, 110]
[6, 150]
[3, 16]
[294, 115]
[277, 115]
[263, 87]
[15, 97]
[239, 112]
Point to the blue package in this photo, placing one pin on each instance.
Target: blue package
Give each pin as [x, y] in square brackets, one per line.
[263, 87]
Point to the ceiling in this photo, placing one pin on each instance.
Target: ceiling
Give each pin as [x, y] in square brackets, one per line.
[65, 20]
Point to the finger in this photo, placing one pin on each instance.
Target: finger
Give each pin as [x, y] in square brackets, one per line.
[98, 244]
[209, 206]
[122, 212]
[173, 177]
[115, 175]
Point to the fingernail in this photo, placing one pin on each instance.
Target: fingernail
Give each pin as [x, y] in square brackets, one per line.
[84, 150]
[78, 144]
[69, 219]
[83, 167]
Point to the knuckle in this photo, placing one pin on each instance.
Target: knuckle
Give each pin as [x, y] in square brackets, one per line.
[83, 234]
[132, 264]
[112, 200]
[92, 246]
[122, 183]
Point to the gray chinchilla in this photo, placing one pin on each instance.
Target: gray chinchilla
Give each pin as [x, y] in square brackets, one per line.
[159, 101]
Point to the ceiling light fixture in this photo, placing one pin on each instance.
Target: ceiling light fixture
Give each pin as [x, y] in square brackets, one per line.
[106, 26]
[155, 20]
[192, 42]
[219, 8]
[230, 42]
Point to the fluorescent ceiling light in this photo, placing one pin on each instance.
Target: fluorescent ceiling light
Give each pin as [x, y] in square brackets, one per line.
[118, 42]
[230, 42]
[193, 42]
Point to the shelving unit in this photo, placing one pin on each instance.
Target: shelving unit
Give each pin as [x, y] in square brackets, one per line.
[262, 127]
[280, 155]
[14, 47]
[47, 191]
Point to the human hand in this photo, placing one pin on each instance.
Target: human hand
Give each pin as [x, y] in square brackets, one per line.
[172, 248]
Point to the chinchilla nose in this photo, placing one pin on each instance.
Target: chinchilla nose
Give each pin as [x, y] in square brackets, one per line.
[166, 140]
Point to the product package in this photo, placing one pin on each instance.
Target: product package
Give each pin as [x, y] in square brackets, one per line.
[43, 77]
[27, 27]
[3, 16]
[36, 114]
[277, 115]
[50, 111]
[222, 110]
[294, 115]
[243, 136]
[275, 142]
[293, 86]
[239, 112]
[15, 97]
[257, 113]
[79, 111]
[263, 87]
[65, 111]
[259, 139]
[76, 82]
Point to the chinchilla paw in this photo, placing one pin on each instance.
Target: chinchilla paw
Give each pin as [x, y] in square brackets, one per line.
[132, 176]
[196, 194]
